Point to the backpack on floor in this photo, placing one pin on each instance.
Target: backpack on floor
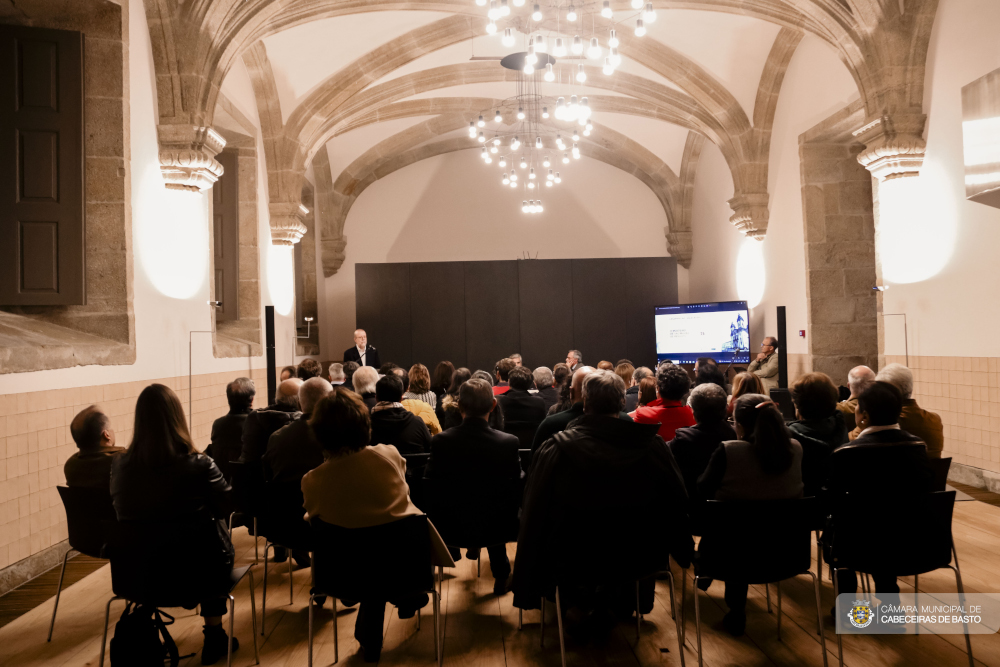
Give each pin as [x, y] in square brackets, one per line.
[137, 640]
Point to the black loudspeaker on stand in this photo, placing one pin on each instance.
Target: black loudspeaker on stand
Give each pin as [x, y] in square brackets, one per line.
[272, 370]
[782, 350]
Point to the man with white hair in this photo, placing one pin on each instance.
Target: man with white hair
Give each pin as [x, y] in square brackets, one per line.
[914, 420]
[362, 353]
[544, 381]
[859, 379]
[364, 380]
[337, 374]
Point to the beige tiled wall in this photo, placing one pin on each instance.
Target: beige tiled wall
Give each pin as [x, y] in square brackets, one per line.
[35, 442]
[965, 391]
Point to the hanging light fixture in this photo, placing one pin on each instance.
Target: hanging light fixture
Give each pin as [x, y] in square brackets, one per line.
[608, 67]
[571, 14]
[640, 28]
[508, 37]
[637, 4]
[491, 28]
[498, 118]
[482, 138]
[605, 10]
[559, 50]
[594, 51]
[581, 74]
[538, 143]
[546, 163]
[550, 74]
[613, 38]
[577, 45]
[536, 14]
[649, 14]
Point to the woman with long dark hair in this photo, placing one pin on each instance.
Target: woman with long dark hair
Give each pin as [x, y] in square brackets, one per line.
[161, 482]
[440, 384]
[764, 463]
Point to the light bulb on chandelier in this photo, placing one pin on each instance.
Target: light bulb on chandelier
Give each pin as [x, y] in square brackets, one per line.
[613, 38]
[557, 179]
[546, 162]
[640, 28]
[503, 161]
[605, 10]
[577, 45]
[520, 113]
[649, 14]
[531, 185]
[504, 8]
[559, 50]
[498, 118]
[548, 184]
[494, 150]
[481, 123]
[531, 174]
[550, 76]
[565, 158]
[515, 143]
[571, 14]
[524, 163]
[519, 3]
[545, 112]
[637, 4]
[594, 51]
[472, 130]
[608, 67]
[536, 14]
[506, 180]
[541, 46]
[482, 138]
[481, 3]
[581, 75]
[491, 28]
[615, 59]
[576, 135]
[508, 37]
[496, 141]
[538, 143]
[484, 154]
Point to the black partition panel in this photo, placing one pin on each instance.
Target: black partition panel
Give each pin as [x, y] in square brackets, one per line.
[599, 325]
[382, 295]
[648, 280]
[546, 294]
[474, 313]
[437, 313]
[492, 316]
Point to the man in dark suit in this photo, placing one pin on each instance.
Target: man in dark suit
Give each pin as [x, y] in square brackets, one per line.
[227, 431]
[545, 383]
[392, 424]
[91, 466]
[522, 411]
[693, 446]
[882, 462]
[560, 421]
[474, 471]
[362, 353]
[260, 424]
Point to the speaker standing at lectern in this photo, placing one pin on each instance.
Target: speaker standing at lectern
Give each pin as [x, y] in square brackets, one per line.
[362, 353]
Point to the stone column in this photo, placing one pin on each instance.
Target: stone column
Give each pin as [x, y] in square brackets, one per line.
[287, 227]
[333, 254]
[894, 145]
[187, 156]
[750, 214]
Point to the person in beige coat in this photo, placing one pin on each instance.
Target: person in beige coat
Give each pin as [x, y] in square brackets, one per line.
[765, 366]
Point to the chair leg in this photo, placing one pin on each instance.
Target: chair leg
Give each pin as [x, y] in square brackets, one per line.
[438, 648]
[232, 613]
[291, 584]
[312, 600]
[541, 640]
[62, 573]
[559, 621]
[767, 596]
[819, 616]
[961, 601]
[479, 566]
[418, 616]
[916, 599]
[263, 604]
[256, 538]
[697, 618]
[253, 618]
[107, 617]
[684, 583]
[336, 646]
[229, 524]
[836, 620]
[777, 585]
[520, 619]
[677, 624]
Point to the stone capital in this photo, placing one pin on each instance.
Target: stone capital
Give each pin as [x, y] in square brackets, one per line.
[333, 254]
[287, 227]
[187, 156]
[680, 246]
[894, 145]
[750, 214]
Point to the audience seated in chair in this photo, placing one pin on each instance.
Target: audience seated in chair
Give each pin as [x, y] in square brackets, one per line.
[546, 385]
[646, 394]
[744, 383]
[604, 470]
[924, 424]
[765, 463]
[440, 384]
[672, 383]
[308, 368]
[632, 392]
[475, 471]
[364, 385]
[883, 461]
[260, 424]
[227, 431]
[451, 415]
[161, 479]
[819, 426]
[392, 424]
[693, 446]
[518, 404]
[287, 373]
[418, 386]
[350, 368]
[502, 373]
[359, 486]
[706, 371]
[91, 466]
[858, 379]
[561, 420]
[336, 375]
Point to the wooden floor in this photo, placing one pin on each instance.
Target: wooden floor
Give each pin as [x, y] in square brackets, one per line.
[481, 629]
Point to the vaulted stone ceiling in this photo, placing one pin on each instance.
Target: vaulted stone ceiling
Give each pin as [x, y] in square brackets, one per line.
[361, 88]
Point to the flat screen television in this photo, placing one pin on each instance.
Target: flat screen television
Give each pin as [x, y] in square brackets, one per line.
[718, 329]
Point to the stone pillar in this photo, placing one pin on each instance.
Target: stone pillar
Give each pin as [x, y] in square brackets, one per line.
[680, 246]
[287, 227]
[894, 145]
[187, 156]
[750, 214]
[333, 254]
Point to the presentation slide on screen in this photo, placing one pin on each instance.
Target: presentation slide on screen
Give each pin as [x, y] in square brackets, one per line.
[688, 331]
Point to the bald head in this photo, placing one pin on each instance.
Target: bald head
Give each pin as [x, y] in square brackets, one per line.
[859, 379]
[91, 429]
[288, 393]
[310, 393]
[576, 386]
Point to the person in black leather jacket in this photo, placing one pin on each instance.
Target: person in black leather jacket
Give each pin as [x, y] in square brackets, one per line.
[261, 424]
[162, 481]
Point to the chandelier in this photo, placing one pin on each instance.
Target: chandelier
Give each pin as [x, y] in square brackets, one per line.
[552, 23]
[523, 136]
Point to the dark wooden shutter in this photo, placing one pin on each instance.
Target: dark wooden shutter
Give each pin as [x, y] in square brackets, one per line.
[226, 208]
[42, 241]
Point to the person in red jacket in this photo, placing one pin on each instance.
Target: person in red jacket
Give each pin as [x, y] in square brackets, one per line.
[672, 383]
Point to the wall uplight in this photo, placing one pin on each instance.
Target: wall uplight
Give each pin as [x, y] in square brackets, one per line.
[750, 272]
[171, 237]
[280, 273]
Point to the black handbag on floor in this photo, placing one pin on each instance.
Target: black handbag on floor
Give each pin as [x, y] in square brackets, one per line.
[137, 641]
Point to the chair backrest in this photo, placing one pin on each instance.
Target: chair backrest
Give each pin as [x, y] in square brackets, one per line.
[169, 563]
[903, 535]
[525, 431]
[474, 512]
[87, 512]
[248, 487]
[374, 563]
[415, 465]
[756, 541]
[940, 468]
[783, 397]
[282, 519]
[525, 456]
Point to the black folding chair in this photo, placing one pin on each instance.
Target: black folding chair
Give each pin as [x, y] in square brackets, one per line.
[146, 570]
[940, 468]
[282, 525]
[383, 562]
[87, 511]
[415, 464]
[757, 542]
[248, 495]
[525, 456]
[525, 431]
[898, 535]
